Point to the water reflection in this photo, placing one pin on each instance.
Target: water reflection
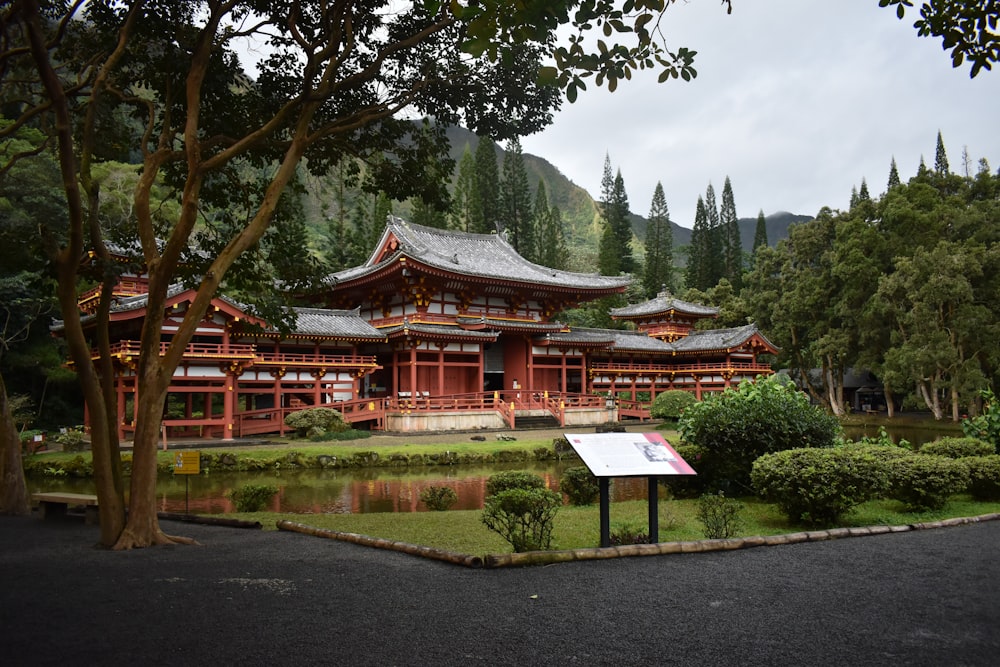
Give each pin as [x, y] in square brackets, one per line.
[341, 491]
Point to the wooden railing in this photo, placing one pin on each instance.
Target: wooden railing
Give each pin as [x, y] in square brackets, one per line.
[131, 348]
[630, 408]
[631, 367]
[285, 359]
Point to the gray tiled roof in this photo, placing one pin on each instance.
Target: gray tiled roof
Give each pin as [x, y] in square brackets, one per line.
[440, 330]
[716, 339]
[483, 255]
[346, 323]
[663, 303]
[510, 324]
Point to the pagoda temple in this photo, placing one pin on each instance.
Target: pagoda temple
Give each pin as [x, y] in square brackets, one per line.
[437, 330]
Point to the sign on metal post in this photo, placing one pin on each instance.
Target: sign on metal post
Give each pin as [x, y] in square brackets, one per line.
[609, 455]
[187, 463]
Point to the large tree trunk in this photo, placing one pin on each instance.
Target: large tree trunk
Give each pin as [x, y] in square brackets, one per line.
[928, 391]
[890, 407]
[14, 493]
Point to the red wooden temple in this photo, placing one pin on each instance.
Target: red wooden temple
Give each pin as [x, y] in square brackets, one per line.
[438, 330]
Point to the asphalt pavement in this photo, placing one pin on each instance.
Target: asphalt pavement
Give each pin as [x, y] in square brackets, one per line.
[249, 597]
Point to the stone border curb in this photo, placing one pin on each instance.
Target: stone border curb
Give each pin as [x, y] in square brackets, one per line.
[625, 551]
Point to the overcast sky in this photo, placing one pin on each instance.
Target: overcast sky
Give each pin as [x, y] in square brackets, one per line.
[795, 100]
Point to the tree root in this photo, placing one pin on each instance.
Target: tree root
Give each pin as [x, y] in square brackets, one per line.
[130, 540]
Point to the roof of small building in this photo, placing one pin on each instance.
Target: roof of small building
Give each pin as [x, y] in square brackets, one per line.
[718, 339]
[487, 256]
[662, 304]
[336, 323]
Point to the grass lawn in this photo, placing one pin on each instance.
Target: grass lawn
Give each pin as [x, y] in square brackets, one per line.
[579, 527]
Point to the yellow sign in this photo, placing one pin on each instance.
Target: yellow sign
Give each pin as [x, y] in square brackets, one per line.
[187, 463]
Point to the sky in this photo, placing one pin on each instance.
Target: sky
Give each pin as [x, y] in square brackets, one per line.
[795, 101]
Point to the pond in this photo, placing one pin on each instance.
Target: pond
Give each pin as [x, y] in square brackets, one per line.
[348, 491]
[358, 491]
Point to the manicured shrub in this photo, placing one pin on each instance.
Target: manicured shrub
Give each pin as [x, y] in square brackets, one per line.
[740, 424]
[958, 448]
[924, 482]
[252, 497]
[579, 485]
[439, 498]
[513, 479]
[314, 422]
[671, 404]
[984, 477]
[818, 486]
[523, 517]
[72, 440]
[720, 517]
[689, 486]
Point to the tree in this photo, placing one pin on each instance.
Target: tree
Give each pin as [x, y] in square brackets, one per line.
[968, 29]
[487, 208]
[893, 175]
[659, 273]
[941, 158]
[698, 274]
[333, 82]
[515, 200]
[732, 246]
[715, 262]
[463, 196]
[615, 246]
[760, 231]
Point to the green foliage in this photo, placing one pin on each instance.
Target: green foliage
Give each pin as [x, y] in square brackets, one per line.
[628, 533]
[985, 426]
[71, 441]
[984, 477]
[721, 517]
[739, 425]
[926, 482]
[579, 485]
[957, 448]
[884, 440]
[252, 497]
[513, 479]
[818, 486]
[348, 434]
[562, 448]
[315, 422]
[439, 498]
[671, 404]
[522, 516]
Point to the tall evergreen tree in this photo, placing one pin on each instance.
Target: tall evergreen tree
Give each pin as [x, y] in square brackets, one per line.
[940, 157]
[715, 261]
[759, 236]
[550, 249]
[515, 199]
[893, 175]
[659, 273]
[615, 247]
[698, 274]
[487, 188]
[863, 194]
[733, 245]
[535, 250]
[464, 199]
[621, 224]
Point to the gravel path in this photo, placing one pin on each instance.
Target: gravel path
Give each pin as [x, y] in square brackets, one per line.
[272, 598]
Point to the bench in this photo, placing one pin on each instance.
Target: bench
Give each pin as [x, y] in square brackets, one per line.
[55, 505]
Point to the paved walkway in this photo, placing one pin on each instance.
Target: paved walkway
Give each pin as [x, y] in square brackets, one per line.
[277, 598]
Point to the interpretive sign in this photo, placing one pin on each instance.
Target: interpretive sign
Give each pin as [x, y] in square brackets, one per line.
[628, 454]
[187, 463]
[646, 455]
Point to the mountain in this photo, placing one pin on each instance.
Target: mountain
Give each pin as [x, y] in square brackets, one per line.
[580, 210]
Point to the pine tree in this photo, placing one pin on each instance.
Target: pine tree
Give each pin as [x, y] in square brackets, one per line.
[515, 199]
[659, 273]
[715, 262]
[733, 245]
[551, 247]
[893, 175]
[940, 157]
[539, 223]
[487, 187]
[863, 194]
[922, 171]
[760, 232]
[698, 265]
[464, 199]
[621, 224]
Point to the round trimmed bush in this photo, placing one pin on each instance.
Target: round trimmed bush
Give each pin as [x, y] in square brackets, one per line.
[984, 477]
[579, 485]
[513, 479]
[671, 404]
[925, 482]
[439, 498]
[740, 424]
[818, 486]
[958, 448]
[314, 422]
[523, 517]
